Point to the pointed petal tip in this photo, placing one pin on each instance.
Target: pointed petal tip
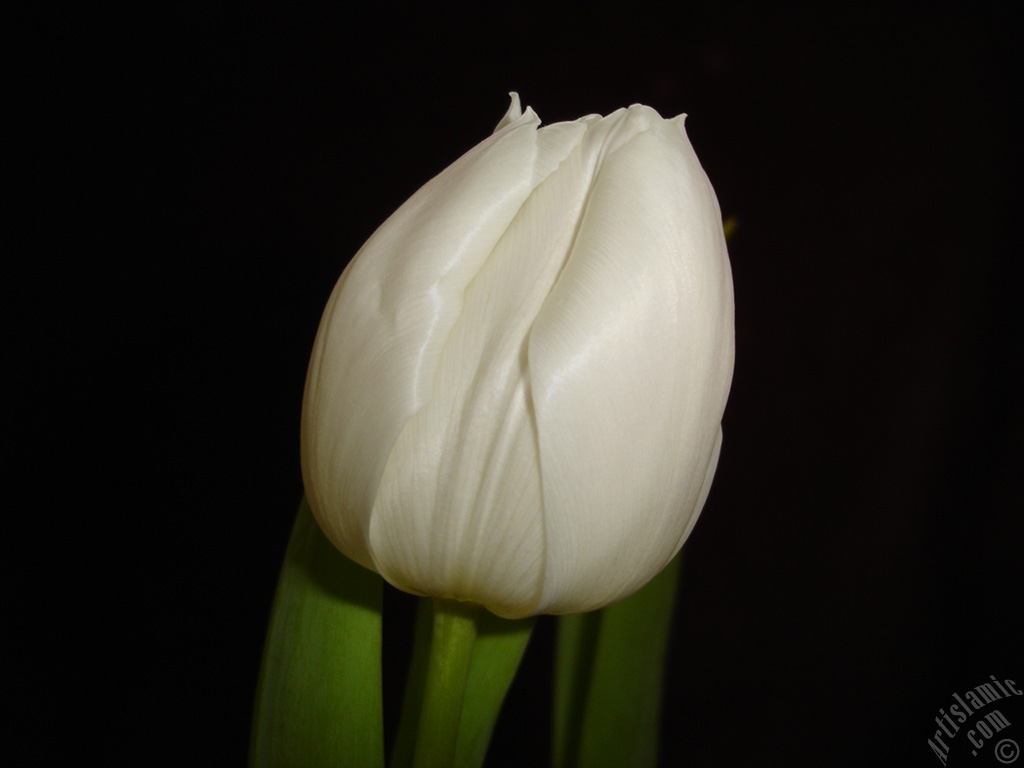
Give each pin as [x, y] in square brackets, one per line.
[514, 112]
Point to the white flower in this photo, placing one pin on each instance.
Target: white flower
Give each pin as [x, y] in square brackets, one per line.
[516, 391]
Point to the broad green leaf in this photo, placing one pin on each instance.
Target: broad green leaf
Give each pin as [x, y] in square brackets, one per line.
[575, 646]
[500, 644]
[318, 704]
[609, 673]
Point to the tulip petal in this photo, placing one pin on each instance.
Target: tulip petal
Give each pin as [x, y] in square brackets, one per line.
[705, 489]
[630, 361]
[467, 462]
[376, 355]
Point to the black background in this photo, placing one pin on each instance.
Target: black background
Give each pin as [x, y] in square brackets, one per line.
[198, 179]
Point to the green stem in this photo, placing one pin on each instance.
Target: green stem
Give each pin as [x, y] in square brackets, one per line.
[451, 649]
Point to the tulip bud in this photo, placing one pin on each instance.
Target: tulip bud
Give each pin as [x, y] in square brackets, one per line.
[516, 390]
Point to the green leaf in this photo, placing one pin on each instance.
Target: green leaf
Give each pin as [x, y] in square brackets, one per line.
[609, 671]
[412, 702]
[729, 226]
[575, 646]
[318, 703]
[500, 644]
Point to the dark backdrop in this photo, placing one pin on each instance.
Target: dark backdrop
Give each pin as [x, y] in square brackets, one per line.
[204, 177]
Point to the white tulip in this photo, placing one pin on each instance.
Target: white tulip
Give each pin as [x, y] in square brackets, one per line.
[516, 390]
